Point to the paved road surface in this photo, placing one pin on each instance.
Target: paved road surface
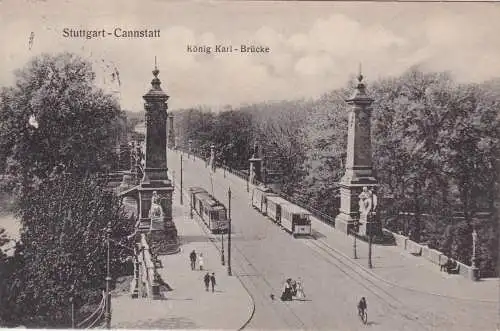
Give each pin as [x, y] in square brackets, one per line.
[264, 255]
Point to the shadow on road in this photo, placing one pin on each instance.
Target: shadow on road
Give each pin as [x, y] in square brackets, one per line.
[316, 235]
[300, 300]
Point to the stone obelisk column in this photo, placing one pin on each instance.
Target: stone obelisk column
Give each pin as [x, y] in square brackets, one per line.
[255, 165]
[155, 182]
[211, 161]
[171, 132]
[358, 172]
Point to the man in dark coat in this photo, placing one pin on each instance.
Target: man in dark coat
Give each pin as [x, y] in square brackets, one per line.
[287, 291]
[206, 279]
[212, 280]
[192, 257]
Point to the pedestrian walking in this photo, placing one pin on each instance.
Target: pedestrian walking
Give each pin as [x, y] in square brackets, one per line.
[200, 261]
[300, 289]
[212, 280]
[286, 295]
[192, 257]
[206, 279]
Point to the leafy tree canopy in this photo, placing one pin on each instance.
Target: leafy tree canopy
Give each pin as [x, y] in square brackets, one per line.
[54, 116]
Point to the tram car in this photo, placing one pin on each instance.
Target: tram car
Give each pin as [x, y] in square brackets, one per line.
[259, 198]
[192, 193]
[274, 206]
[295, 220]
[212, 212]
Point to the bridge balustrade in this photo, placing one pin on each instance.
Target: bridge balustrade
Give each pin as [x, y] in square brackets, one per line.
[148, 269]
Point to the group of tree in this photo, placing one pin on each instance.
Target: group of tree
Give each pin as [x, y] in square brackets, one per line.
[58, 131]
[435, 149]
[276, 128]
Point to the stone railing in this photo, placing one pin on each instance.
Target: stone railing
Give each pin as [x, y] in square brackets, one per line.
[432, 255]
[148, 270]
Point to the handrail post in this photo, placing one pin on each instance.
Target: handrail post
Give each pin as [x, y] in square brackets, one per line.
[222, 249]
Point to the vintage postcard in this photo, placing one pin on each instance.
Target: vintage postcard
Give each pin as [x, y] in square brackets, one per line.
[257, 165]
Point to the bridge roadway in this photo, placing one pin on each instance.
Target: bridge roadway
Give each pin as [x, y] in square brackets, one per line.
[264, 255]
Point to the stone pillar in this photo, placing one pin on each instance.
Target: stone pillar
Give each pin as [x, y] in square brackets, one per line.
[156, 133]
[171, 133]
[211, 162]
[255, 165]
[162, 234]
[128, 179]
[255, 170]
[474, 270]
[358, 171]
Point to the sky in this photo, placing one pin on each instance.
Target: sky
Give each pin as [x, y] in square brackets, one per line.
[314, 46]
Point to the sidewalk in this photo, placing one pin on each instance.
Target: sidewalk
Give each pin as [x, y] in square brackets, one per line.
[188, 305]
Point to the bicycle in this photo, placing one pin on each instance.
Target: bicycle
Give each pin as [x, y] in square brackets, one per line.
[363, 315]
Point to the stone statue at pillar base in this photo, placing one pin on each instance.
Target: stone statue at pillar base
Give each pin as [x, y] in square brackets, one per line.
[369, 223]
[162, 235]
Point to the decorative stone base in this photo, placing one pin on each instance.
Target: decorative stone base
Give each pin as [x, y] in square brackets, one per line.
[344, 223]
[370, 228]
[155, 290]
[474, 274]
[134, 288]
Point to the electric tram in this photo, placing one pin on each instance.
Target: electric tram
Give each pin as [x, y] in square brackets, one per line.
[294, 219]
[259, 198]
[211, 211]
[274, 204]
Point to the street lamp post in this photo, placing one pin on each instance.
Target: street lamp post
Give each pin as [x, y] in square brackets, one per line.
[181, 181]
[190, 141]
[222, 250]
[354, 244]
[191, 204]
[229, 272]
[372, 217]
[370, 238]
[107, 314]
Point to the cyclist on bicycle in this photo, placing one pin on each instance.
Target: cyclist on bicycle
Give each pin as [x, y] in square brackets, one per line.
[362, 305]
